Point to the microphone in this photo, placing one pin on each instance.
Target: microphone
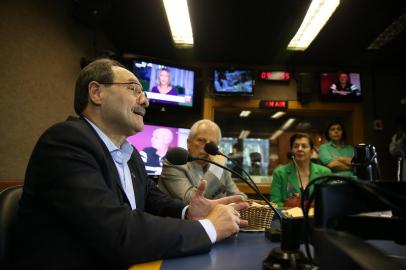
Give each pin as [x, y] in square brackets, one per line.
[180, 156]
[292, 156]
[212, 149]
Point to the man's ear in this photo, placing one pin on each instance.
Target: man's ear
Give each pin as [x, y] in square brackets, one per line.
[188, 142]
[95, 92]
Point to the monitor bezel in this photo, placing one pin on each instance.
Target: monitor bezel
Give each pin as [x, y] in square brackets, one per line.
[330, 98]
[157, 107]
[233, 93]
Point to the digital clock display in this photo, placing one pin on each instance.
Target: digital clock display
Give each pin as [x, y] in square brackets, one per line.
[274, 75]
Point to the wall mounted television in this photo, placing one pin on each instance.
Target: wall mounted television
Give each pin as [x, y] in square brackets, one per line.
[166, 85]
[340, 86]
[233, 82]
[153, 143]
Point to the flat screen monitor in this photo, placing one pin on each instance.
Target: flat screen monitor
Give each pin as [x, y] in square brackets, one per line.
[340, 86]
[233, 82]
[166, 85]
[153, 143]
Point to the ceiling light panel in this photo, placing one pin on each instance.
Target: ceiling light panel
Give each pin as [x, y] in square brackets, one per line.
[316, 17]
[177, 12]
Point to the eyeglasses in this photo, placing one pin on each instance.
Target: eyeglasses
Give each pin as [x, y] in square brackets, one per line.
[134, 87]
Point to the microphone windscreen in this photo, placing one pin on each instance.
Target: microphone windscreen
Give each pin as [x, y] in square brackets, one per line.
[178, 156]
[211, 149]
[290, 155]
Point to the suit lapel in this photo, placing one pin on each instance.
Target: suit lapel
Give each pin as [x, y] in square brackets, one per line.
[314, 171]
[109, 170]
[194, 177]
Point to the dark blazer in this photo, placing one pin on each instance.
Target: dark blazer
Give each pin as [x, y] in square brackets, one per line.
[74, 214]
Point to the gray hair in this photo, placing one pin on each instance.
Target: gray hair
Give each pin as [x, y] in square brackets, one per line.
[196, 125]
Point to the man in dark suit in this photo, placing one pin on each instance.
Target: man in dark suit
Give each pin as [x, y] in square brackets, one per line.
[87, 202]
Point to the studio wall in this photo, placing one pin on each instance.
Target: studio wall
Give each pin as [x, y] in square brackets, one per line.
[41, 46]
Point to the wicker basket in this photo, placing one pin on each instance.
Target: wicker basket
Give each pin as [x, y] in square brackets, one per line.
[259, 217]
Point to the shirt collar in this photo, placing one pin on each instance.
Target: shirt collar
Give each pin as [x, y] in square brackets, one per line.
[333, 145]
[119, 155]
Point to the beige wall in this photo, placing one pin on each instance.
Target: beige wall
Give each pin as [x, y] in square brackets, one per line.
[40, 48]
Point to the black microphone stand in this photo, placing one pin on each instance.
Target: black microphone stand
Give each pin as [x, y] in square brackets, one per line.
[293, 158]
[288, 255]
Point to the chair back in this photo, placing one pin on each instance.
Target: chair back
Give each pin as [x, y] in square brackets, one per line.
[9, 201]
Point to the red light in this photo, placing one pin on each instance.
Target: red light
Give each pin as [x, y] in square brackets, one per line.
[280, 104]
[274, 75]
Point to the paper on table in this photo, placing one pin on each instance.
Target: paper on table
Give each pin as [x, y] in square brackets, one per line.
[297, 212]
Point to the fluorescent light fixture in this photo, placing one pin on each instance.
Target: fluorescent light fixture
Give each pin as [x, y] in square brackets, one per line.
[244, 134]
[282, 129]
[276, 134]
[245, 113]
[278, 115]
[316, 17]
[288, 123]
[177, 13]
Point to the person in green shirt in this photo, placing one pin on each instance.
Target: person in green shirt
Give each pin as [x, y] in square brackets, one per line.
[336, 154]
[285, 190]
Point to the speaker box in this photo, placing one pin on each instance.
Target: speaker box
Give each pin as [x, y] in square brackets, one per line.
[306, 87]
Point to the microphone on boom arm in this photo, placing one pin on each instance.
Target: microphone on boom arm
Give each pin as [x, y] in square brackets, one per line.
[288, 255]
[292, 156]
[180, 156]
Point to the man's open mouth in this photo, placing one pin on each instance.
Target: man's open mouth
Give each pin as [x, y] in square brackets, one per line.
[139, 111]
